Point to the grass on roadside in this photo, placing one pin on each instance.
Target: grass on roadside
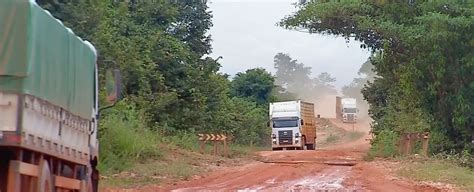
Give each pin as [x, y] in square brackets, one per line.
[154, 172]
[177, 163]
[438, 171]
[332, 138]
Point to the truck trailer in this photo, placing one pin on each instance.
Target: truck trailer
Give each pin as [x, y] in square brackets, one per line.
[48, 103]
[293, 125]
[346, 109]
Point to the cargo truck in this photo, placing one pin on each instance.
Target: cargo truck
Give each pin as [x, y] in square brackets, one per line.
[293, 125]
[48, 102]
[346, 109]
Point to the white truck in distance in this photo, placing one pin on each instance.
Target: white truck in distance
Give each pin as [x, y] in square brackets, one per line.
[346, 109]
[293, 125]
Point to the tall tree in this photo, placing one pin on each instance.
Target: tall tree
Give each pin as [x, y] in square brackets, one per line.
[295, 78]
[423, 58]
[324, 84]
[255, 84]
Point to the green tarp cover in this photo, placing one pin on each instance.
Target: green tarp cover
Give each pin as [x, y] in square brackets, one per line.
[41, 57]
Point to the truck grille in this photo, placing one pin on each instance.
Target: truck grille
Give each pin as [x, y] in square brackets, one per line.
[285, 137]
[350, 117]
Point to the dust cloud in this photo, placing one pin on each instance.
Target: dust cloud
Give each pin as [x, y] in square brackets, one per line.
[325, 105]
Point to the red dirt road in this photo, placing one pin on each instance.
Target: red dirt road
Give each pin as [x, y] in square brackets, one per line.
[336, 168]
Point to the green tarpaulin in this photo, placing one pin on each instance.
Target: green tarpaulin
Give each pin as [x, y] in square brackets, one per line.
[41, 57]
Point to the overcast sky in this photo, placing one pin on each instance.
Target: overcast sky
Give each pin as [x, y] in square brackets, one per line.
[246, 36]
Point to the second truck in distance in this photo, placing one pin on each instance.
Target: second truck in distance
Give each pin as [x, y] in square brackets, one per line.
[293, 125]
[346, 109]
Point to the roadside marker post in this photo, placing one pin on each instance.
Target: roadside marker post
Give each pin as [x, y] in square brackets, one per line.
[408, 140]
[216, 139]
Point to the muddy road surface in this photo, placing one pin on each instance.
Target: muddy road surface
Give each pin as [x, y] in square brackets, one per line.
[337, 167]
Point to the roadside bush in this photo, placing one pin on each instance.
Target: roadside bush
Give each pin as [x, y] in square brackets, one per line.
[464, 159]
[124, 139]
[384, 144]
[185, 140]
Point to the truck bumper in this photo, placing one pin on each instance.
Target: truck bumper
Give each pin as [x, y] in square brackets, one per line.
[276, 143]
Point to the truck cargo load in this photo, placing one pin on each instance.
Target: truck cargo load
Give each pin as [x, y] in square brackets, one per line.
[43, 58]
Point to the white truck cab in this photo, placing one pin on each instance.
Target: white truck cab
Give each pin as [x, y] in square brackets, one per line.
[349, 110]
[292, 127]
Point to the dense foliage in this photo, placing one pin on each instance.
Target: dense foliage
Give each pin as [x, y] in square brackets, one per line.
[171, 87]
[423, 59]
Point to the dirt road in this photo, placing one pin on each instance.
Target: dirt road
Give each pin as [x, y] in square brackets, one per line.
[335, 168]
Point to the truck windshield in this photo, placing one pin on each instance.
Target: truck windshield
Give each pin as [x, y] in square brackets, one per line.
[350, 110]
[285, 123]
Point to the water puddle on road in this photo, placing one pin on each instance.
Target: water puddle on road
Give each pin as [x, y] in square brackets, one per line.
[330, 179]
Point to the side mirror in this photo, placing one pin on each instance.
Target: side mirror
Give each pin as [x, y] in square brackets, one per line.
[268, 123]
[113, 82]
[302, 122]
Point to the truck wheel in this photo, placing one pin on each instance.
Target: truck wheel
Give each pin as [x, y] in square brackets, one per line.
[310, 146]
[45, 179]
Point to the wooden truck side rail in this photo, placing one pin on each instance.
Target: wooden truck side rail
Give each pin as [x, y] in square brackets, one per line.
[309, 124]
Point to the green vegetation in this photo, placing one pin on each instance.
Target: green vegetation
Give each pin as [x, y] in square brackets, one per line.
[332, 138]
[438, 171]
[422, 60]
[172, 89]
[386, 145]
[125, 139]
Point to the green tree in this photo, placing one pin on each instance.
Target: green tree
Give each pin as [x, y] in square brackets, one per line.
[324, 84]
[354, 89]
[291, 75]
[255, 84]
[161, 48]
[423, 61]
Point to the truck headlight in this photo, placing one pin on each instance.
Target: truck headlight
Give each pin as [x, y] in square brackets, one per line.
[274, 136]
[297, 135]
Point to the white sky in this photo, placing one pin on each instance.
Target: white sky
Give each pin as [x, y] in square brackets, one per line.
[246, 36]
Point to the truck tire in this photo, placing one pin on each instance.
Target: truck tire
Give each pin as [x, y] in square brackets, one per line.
[303, 143]
[45, 179]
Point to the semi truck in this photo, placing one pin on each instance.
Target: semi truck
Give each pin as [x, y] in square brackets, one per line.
[346, 109]
[49, 105]
[293, 125]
